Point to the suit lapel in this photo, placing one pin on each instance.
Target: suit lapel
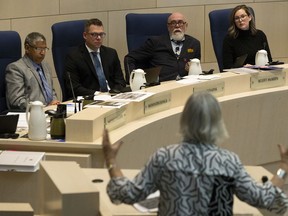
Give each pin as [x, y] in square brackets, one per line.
[184, 48]
[88, 60]
[30, 66]
[104, 58]
[47, 74]
[167, 43]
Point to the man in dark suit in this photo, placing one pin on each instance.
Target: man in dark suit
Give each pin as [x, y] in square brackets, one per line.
[92, 67]
[30, 78]
[172, 51]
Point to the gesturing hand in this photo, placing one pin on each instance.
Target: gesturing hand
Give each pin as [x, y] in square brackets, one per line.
[110, 151]
[283, 154]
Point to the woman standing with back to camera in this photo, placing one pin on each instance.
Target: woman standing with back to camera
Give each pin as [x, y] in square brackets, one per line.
[243, 38]
[196, 177]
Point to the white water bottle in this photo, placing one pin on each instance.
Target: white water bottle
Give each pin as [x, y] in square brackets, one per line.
[35, 116]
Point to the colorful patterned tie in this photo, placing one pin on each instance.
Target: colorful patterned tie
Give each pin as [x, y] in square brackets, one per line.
[48, 91]
[100, 73]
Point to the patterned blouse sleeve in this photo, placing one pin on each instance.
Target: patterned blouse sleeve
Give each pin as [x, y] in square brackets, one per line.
[123, 190]
[266, 196]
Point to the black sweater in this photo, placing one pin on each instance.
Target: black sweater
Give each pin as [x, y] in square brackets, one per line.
[245, 43]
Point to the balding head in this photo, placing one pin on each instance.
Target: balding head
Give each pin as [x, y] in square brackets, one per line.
[177, 26]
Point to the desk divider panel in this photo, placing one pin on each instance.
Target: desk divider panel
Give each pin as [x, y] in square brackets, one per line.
[16, 209]
[67, 191]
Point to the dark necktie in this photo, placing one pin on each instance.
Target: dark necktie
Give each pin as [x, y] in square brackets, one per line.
[177, 48]
[47, 89]
[100, 73]
[177, 51]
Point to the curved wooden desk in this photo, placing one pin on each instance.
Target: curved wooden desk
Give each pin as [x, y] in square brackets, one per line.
[63, 188]
[256, 120]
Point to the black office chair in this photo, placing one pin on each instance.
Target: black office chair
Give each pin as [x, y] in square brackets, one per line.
[139, 27]
[65, 36]
[219, 24]
[10, 46]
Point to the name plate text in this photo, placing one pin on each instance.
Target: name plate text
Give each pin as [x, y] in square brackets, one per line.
[217, 89]
[116, 119]
[264, 80]
[157, 103]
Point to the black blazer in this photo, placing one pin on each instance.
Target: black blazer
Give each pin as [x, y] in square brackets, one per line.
[83, 75]
[157, 51]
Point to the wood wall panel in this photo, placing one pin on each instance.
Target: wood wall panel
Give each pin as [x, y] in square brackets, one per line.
[28, 8]
[39, 15]
[76, 6]
[172, 3]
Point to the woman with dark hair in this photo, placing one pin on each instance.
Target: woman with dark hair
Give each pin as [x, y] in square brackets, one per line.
[243, 38]
[196, 177]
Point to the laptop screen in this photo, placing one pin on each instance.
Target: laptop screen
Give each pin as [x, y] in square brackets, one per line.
[239, 61]
[152, 74]
[8, 123]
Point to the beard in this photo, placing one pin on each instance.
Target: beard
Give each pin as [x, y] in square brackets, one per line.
[177, 35]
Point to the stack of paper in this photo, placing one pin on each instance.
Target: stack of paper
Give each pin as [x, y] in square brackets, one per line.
[20, 161]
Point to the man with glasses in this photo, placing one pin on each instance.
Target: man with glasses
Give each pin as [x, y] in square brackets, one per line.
[30, 78]
[93, 68]
[172, 51]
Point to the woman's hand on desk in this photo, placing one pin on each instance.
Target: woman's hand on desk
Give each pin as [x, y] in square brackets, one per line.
[284, 157]
[280, 178]
[110, 152]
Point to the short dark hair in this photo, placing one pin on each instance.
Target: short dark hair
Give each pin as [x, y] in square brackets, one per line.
[32, 37]
[90, 22]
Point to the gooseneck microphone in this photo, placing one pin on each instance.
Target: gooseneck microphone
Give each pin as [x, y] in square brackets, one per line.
[264, 45]
[73, 94]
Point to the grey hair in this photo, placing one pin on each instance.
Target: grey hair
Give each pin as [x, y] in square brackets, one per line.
[33, 37]
[201, 120]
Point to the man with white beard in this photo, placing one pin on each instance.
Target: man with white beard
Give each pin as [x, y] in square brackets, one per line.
[172, 51]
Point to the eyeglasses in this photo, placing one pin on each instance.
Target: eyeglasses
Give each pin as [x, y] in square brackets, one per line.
[174, 23]
[96, 35]
[242, 17]
[39, 49]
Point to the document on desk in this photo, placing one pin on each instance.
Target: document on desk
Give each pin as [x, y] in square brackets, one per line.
[107, 104]
[191, 79]
[20, 161]
[267, 67]
[132, 96]
[242, 70]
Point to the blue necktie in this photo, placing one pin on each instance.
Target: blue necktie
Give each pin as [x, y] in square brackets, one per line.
[48, 91]
[100, 73]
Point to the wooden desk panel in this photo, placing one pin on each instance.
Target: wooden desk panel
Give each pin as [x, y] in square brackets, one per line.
[143, 134]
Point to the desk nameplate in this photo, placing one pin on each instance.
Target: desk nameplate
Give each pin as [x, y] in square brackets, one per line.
[264, 80]
[217, 89]
[116, 119]
[156, 104]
